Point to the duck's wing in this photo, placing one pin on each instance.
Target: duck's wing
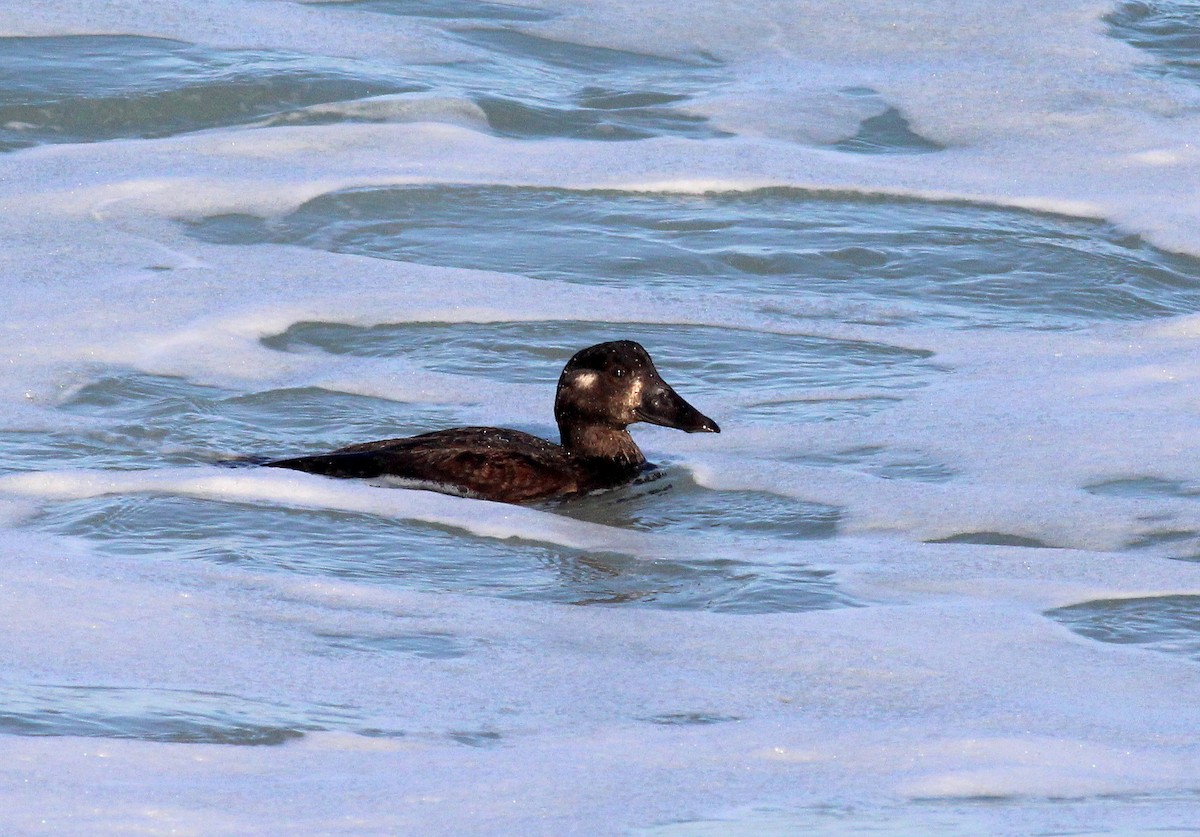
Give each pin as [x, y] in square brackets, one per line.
[457, 437]
[491, 463]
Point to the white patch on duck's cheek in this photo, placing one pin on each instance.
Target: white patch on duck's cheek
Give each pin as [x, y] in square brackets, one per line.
[585, 380]
[634, 399]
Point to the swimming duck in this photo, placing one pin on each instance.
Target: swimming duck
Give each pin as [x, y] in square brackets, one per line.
[602, 390]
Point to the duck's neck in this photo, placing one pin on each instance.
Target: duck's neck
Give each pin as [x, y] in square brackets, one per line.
[611, 444]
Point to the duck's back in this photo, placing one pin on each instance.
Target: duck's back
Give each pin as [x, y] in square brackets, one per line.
[489, 462]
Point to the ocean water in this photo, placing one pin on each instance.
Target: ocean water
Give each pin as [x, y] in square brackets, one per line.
[934, 268]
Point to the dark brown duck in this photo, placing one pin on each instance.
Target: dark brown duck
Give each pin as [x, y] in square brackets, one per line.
[602, 390]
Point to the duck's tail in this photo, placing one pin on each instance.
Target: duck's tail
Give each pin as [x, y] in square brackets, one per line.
[242, 462]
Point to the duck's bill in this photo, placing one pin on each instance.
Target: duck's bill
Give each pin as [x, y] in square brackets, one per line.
[661, 405]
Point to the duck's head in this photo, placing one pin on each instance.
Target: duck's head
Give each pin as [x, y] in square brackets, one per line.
[613, 385]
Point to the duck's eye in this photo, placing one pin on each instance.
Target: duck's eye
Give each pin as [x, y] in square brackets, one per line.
[618, 372]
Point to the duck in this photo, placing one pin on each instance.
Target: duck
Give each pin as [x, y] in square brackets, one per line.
[602, 390]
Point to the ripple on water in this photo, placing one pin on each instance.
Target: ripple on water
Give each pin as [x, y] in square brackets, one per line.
[1159, 534]
[134, 420]
[428, 645]
[880, 461]
[450, 9]
[484, 739]
[1118, 815]
[690, 719]
[993, 539]
[87, 88]
[165, 715]
[430, 558]
[779, 250]
[1144, 488]
[1167, 29]
[1170, 624]
[887, 132]
[1178, 544]
[671, 499]
[531, 87]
